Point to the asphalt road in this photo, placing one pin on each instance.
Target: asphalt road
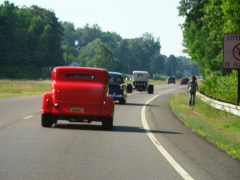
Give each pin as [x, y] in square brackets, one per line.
[147, 142]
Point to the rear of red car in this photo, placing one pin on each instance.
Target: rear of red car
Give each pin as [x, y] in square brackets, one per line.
[184, 81]
[78, 94]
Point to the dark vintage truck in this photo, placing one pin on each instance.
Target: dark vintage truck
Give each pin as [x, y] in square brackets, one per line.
[78, 94]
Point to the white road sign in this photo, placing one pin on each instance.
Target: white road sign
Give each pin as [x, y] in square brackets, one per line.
[231, 56]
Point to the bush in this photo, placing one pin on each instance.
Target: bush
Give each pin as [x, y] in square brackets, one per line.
[178, 74]
[223, 88]
[159, 77]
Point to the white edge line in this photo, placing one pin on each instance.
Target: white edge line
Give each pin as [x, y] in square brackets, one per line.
[167, 156]
[28, 117]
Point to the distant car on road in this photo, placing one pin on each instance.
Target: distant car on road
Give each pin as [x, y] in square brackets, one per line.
[184, 81]
[171, 80]
[140, 82]
[78, 94]
[117, 87]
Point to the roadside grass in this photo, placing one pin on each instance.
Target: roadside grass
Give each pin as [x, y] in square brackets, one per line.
[219, 127]
[9, 88]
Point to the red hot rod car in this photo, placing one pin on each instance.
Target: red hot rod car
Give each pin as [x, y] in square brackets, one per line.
[78, 94]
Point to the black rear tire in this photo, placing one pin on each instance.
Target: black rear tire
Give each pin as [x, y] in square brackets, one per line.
[47, 120]
[129, 88]
[122, 101]
[107, 122]
[150, 89]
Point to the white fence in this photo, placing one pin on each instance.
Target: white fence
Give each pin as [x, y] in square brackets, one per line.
[234, 109]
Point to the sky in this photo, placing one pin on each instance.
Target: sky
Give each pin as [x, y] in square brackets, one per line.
[128, 18]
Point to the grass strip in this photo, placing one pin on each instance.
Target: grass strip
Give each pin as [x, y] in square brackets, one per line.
[9, 88]
[219, 127]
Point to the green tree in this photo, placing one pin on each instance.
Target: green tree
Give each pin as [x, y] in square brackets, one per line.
[168, 71]
[51, 34]
[29, 38]
[195, 34]
[150, 48]
[104, 58]
[112, 41]
[205, 24]
[230, 9]
[88, 52]
[88, 34]
[157, 64]
[8, 16]
[70, 36]
[141, 50]
[171, 64]
[178, 74]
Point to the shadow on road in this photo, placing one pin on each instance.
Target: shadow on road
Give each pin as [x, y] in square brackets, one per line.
[91, 127]
[135, 104]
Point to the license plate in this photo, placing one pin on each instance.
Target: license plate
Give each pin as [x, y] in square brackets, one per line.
[76, 110]
[139, 84]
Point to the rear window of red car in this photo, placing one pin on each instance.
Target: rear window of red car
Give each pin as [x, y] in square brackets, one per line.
[78, 75]
[75, 76]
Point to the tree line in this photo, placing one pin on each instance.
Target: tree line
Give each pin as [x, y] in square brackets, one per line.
[206, 22]
[91, 47]
[33, 41]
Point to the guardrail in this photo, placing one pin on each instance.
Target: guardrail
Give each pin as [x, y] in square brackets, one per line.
[230, 108]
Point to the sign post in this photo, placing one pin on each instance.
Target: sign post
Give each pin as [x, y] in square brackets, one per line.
[231, 56]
